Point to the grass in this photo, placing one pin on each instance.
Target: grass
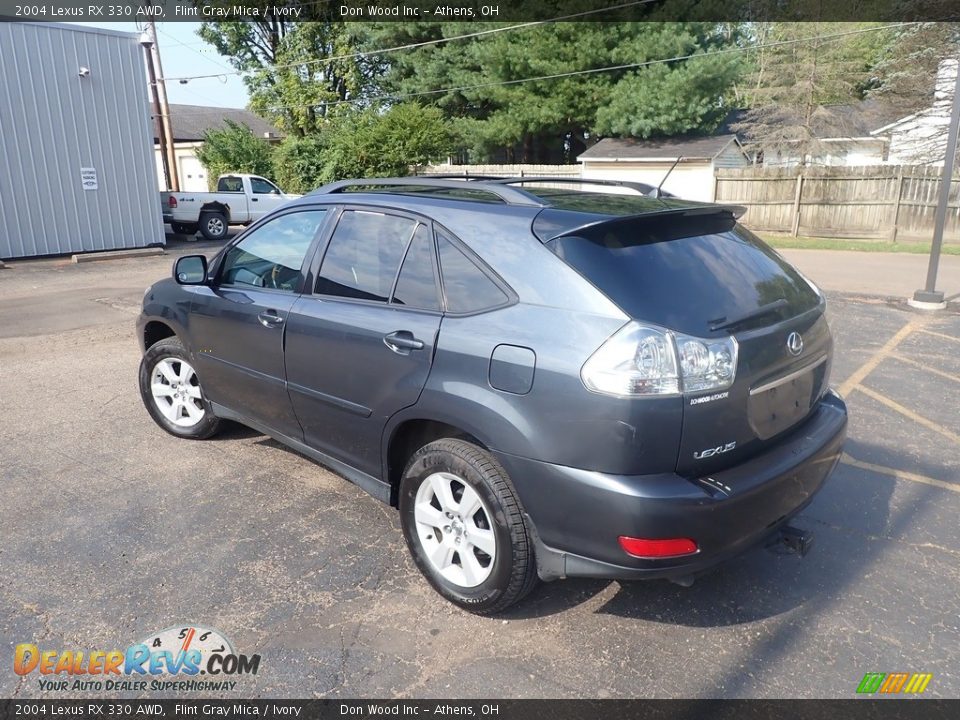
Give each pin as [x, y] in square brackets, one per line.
[809, 243]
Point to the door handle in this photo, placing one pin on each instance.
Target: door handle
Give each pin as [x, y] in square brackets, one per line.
[402, 340]
[270, 318]
[254, 199]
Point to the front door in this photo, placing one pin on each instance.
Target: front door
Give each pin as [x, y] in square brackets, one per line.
[265, 197]
[237, 323]
[359, 348]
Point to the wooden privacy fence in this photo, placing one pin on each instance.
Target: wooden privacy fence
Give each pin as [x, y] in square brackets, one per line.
[888, 202]
[505, 170]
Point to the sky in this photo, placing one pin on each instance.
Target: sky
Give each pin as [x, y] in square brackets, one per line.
[183, 53]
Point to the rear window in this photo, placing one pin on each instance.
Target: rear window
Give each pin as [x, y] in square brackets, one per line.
[686, 272]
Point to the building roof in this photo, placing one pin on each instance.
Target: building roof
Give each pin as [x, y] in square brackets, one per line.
[665, 149]
[191, 122]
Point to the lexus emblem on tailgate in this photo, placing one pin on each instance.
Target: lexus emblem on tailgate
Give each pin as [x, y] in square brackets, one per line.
[794, 343]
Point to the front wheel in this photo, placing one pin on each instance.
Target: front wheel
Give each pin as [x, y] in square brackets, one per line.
[464, 527]
[171, 392]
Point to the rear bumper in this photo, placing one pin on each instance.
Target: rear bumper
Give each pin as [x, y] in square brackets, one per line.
[577, 515]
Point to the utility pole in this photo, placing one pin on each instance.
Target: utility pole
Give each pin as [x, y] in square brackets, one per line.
[147, 42]
[165, 110]
[929, 298]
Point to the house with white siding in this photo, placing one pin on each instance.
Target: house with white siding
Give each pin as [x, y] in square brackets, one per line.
[921, 138]
[648, 161]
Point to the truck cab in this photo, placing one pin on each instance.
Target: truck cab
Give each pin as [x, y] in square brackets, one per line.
[240, 199]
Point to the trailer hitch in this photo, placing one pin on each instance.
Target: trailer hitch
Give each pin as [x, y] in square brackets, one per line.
[790, 540]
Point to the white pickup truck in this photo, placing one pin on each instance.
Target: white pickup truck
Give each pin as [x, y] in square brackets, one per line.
[239, 200]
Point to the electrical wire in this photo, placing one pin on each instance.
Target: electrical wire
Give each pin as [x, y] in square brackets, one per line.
[412, 46]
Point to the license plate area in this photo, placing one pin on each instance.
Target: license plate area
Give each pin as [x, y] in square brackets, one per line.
[780, 404]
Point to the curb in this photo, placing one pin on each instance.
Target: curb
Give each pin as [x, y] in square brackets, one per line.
[117, 254]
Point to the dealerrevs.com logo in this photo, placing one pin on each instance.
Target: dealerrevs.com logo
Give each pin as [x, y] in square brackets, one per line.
[180, 658]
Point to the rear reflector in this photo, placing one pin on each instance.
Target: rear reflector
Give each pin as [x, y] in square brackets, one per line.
[643, 548]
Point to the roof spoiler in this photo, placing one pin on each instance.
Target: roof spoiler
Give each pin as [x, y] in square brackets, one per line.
[736, 211]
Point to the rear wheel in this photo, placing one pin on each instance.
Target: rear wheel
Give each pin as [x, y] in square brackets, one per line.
[171, 392]
[463, 526]
[213, 225]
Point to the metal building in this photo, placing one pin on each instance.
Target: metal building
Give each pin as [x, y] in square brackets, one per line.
[76, 150]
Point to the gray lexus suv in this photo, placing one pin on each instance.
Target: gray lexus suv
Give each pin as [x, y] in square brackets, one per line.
[548, 378]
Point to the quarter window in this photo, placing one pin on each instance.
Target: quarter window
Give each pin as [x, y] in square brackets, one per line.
[364, 255]
[271, 256]
[466, 287]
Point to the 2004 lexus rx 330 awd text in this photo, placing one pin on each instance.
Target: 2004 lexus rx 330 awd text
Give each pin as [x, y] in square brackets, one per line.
[545, 381]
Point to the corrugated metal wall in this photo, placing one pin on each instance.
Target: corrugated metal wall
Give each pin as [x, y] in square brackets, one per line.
[54, 122]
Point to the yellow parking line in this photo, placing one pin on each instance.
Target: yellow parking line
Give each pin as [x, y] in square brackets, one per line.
[878, 357]
[906, 412]
[941, 373]
[900, 474]
[940, 335]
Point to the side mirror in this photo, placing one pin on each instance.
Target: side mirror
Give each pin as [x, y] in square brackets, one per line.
[190, 270]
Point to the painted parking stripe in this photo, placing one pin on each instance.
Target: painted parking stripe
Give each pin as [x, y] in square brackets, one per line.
[899, 474]
[907, 412]
[909, 361]
[860, 374]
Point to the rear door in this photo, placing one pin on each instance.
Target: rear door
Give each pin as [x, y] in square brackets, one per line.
[704, 276]
[237, 323]
[360, 347]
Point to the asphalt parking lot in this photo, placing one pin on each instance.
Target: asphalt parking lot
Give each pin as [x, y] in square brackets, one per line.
[113, 529]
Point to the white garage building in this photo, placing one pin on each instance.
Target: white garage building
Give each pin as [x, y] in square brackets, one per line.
[648, 161]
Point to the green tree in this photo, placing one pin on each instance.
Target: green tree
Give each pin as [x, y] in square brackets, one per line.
[288, 67]
[794, 83]
[234, 149]
[365, 143]
[497, 107]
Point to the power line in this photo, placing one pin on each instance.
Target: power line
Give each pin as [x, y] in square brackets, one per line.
[574, 73]
[195, 51]
[412, 46]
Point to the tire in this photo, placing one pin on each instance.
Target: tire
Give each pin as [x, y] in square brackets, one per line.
[165, 370]
[213, 225]
[183, 229]
[451, 549]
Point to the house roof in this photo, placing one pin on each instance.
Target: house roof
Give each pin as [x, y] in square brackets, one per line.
[666, 149]
[191, 122]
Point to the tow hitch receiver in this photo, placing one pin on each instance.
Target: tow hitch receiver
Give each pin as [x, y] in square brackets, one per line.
[791, 540]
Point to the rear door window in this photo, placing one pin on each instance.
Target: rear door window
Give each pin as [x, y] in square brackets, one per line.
[686, 272]
[417, 284]
[364, 255]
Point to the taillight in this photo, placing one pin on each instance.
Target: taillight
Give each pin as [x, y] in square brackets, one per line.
[662, 548]
[644, 360]
[171, 201]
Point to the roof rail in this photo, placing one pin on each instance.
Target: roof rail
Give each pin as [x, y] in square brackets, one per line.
[507, 195]
[462, 176]
[642, 188]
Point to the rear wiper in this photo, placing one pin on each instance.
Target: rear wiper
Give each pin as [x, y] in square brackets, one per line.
[724, 324]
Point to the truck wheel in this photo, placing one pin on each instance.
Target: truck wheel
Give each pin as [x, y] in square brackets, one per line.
[183, 229]
[464, 527]
[171, 392]
[213, 225]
